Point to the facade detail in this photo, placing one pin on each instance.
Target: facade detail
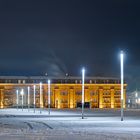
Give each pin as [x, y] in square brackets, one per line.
[133, 99]
[66, 92]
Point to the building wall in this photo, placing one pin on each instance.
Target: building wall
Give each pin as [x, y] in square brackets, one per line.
[64, 95]
[133, 99]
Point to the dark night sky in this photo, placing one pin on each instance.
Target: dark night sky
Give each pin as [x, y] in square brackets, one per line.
[57, 36]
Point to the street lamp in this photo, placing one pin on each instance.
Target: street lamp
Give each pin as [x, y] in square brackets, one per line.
[17, 98]
[22, 93]
[138, 102]
[83, 82]
[40, 96]
[28, 98]
[122, 82]
[136, 95]
[49, 96]
[34, 98]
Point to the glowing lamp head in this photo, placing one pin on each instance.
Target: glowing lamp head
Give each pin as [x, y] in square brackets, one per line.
[136, 95]
[121, 55]
[49, 81]
[22, 92]
[83, 70]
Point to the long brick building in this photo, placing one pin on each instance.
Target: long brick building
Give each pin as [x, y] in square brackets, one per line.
[66, 92]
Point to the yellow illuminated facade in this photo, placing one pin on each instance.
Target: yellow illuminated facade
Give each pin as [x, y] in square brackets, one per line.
[66, 92]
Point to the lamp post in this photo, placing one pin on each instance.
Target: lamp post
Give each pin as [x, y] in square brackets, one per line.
[22, 93]
[17, 98]
[138, 102]
[83, 82]
[28, 98]
[136, 96]
[49, 96]
[40, 96]
[122, 82]
[34, 98]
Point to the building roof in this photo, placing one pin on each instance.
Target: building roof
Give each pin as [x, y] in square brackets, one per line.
[63, 79]
[60, 77]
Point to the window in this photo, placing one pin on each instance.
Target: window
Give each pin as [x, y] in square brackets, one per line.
[64, 101]
[117, 92]
[106, 100]
[63, 93]
[78, 93]
[95, 100]
[106, 92]
[93, 93]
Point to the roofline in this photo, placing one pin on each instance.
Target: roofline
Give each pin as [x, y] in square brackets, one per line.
[60, 77]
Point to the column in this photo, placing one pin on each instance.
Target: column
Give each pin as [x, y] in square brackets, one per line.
[41, 96]
[100, 98]
[124, 98]
[57, 98]
[1, 98]
[71, 99]
[112, 97]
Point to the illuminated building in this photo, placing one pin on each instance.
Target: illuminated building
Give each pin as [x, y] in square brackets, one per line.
[100, 92]
[133, 99]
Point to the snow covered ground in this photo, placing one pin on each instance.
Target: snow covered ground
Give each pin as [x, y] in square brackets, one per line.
[67, 124]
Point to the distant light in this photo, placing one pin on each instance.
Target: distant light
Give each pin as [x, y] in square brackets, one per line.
[83, 70]
[49, 81]
[17, 99]
[41, 98]
[83, 94]
[49, 98]
[136, 95]
[28, 98]
[122, 83]
[34, 97]
[122, 76]
[22, 92]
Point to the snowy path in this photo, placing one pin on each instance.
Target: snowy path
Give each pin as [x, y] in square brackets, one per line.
[13, 126]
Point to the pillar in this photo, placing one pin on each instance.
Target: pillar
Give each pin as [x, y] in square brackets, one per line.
[100, 98]
[41, 98]
[71, 98]
[124, 98]
[1, 98]
[57, 98]
[112, 97]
